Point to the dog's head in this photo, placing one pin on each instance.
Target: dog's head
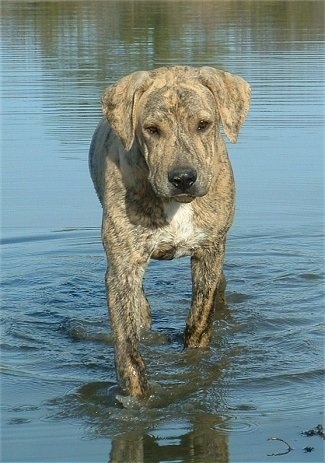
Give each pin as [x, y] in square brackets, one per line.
[175, 114]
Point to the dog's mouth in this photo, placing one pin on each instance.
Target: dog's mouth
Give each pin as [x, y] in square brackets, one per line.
[184, 198]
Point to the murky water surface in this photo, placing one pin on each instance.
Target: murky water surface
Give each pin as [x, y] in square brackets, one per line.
[263, 376]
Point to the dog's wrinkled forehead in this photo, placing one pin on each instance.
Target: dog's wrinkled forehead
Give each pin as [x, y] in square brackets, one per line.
[188, 100]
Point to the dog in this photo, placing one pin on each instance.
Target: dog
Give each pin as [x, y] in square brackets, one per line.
[161, 171]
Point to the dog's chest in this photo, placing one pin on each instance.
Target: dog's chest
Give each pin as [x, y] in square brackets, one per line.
[181, 236]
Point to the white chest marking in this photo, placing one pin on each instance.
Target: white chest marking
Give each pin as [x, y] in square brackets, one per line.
[180, 219]
[181, 231]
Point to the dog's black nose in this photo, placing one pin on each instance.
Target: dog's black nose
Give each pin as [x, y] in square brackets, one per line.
[182, 179]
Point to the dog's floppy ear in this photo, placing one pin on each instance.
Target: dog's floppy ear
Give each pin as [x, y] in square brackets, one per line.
[232, 95]
[119, 104]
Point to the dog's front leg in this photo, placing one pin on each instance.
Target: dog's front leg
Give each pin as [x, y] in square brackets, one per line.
[125, 301]
[207, 276]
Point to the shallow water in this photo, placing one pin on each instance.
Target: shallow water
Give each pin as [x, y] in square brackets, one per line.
[263, 376]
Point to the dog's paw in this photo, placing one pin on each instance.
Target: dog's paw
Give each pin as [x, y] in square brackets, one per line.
[128, 401]
[151, 400]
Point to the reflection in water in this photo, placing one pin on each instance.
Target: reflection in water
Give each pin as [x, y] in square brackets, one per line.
[201, 443]
[140, 434]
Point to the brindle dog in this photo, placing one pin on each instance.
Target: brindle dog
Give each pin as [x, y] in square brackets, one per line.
[162, 173]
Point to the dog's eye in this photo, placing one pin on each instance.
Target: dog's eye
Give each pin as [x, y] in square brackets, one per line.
[152, 130]
[203, 125]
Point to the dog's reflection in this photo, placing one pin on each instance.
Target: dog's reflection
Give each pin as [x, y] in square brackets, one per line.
[199, 441]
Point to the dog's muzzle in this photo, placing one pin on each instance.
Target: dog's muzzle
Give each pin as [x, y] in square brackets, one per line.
[182, 179]
[182, 184]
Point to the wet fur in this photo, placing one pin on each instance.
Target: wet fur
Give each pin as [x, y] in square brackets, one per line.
[144, 217]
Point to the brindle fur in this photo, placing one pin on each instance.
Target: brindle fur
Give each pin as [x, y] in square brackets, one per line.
[153, 127]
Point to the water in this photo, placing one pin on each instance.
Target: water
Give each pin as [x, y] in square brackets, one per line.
[263, 376]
